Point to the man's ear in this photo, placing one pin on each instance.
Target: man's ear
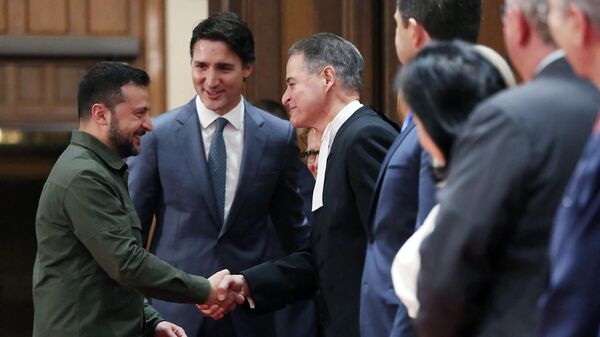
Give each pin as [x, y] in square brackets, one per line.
[419, 35]
[582, 30]
[524, 29]
[329, 76]
[247, 70]
[100, 114]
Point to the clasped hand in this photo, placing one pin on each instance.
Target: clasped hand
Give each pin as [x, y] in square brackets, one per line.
[226, 292]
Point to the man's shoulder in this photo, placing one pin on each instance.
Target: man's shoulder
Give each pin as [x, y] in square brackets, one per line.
[75, 162]
[365, 123]
[545, 99]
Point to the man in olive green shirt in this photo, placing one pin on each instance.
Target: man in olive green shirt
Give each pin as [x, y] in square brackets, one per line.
[91, 273]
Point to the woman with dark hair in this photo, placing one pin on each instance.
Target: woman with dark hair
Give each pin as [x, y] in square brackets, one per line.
[442, 86]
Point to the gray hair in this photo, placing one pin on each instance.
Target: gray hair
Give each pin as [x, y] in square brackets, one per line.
[590, 7]
[327, 49]
[536, 12]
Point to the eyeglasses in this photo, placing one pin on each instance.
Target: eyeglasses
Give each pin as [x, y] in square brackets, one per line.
[308, 155]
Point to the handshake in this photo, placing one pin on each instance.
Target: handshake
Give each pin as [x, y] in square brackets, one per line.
[226, 291]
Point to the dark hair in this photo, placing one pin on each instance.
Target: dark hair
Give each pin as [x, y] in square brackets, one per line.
[273, 107]
[442, 86]
[444, 19]
[102, 84]
[226, 27]
[327, 49]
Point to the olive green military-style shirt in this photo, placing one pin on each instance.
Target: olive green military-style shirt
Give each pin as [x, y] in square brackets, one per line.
[91, 272]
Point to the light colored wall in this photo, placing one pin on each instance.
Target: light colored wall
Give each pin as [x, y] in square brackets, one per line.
[181, 18]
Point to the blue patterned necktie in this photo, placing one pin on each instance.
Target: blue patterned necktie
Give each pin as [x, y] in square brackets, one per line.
[217, 165]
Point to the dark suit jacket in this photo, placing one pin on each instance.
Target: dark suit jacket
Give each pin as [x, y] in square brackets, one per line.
[571, 305]
[404, 195]
[333, 265]
[170, 178]
[484, 266]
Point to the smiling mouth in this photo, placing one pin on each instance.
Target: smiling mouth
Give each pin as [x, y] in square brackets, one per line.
[213, 94]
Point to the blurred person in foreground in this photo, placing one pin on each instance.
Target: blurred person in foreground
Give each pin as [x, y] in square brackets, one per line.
[441, 110]
[485, 265]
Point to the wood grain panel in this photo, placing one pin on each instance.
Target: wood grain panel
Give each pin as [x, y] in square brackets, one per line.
[3, 16]
[30, 85]
[3, 86]
[491, 26]
[67, 83]
[155, 53]
[266, 80]
[16, 13]
[108, 17]
[77, 17]
[47, 16]
[299, 20]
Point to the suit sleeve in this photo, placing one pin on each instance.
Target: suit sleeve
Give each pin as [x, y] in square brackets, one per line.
[367, 152]
[144, 183]
[286, 205]
[489, 164]
[275, 284]
[427, 189]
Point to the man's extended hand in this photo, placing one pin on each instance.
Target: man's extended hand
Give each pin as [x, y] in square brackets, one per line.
[167, 329]
[221, 300]
[228, 284]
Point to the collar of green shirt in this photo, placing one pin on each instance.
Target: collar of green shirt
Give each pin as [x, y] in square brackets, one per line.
[99, 148]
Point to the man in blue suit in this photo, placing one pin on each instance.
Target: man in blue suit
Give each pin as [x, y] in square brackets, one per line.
[214, 172]
[405, 191]
[571, 304]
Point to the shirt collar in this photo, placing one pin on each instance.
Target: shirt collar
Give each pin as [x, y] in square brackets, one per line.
[341, 118]
[235, 116]
[553, 56]
[99, 148]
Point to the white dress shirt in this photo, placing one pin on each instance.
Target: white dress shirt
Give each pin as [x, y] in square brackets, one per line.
[326, 140]
[407, 264]
[233, 136]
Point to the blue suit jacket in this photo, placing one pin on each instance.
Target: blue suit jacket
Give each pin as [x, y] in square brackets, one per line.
[404, 195]
[170, 178]
[571, 305]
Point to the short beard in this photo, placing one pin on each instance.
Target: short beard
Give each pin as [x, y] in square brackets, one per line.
[120, 143]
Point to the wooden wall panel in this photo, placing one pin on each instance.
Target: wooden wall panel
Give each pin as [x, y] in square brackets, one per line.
[30, 85]
[78, 17]
[3, 16]
[2, 85]
[491, 26]
[265, 82]
[67, 83]
[47, 16]
[16, 13]
[154, 56]
[37, 90]
[108, 17]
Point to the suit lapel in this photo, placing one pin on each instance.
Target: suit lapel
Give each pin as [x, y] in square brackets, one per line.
[384, 167]
[255, 139]
[189, 139]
